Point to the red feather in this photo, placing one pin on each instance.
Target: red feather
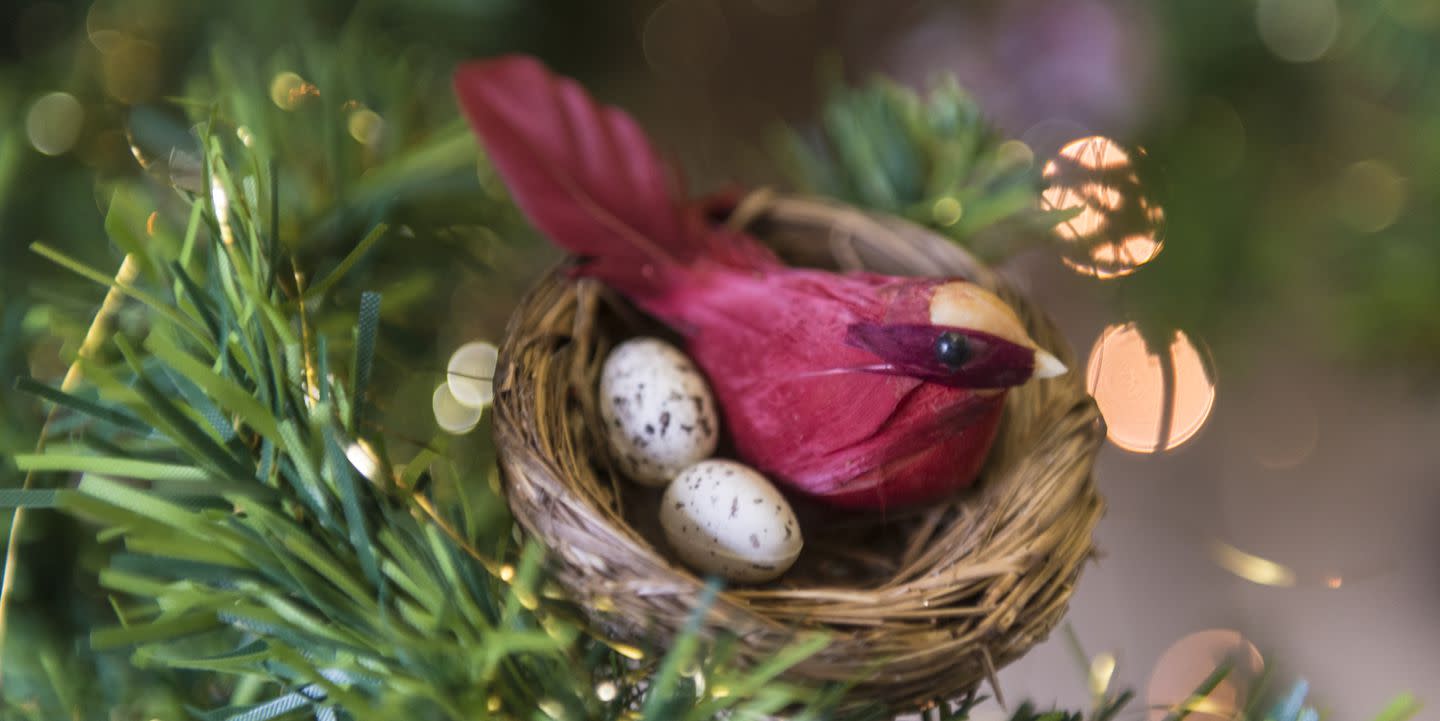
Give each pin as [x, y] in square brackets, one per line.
[587, 176]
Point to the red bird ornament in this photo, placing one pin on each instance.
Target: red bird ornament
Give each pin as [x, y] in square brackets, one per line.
[862, 390]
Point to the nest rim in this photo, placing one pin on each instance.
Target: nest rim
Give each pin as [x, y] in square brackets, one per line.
[982, 578]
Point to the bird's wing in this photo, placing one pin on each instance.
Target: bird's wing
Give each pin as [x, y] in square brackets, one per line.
[587, 176]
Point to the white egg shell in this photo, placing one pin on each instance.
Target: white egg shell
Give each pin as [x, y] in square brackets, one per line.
[723, 518]
[658, 411]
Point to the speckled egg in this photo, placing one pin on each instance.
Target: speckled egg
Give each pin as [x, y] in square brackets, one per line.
[658, 411]
[723, 518]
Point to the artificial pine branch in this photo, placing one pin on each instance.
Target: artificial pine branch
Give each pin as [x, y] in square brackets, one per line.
[257, 548]
[95, 337]
[932, 160]
[278, 555]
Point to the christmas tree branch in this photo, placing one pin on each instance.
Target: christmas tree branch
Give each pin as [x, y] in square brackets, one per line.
[932, 160]
[95, 337]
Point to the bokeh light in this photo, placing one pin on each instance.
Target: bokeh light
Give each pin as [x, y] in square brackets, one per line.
[1015, 154]
[470, 373]
[451, 415]
[1187, 663]
[1298, 31]
[365, 126]
[1251, 567]
[552, 708]
[1285, 427]
[365, 460]
[131, 69]
[1369, 196]
[606, 691]
[1151, 403]
[221, 201]
[1306, 573]
[1117, 227]
[288, 90]
[947, 211]
[53, 123]
[1102, 670]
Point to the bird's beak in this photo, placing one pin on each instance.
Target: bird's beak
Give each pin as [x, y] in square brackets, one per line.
[1047, 365]
[966, 305]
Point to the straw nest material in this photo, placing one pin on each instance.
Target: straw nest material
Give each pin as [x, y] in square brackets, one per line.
[918, 605]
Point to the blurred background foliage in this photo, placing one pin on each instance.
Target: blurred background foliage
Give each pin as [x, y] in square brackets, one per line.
[1298, 166]
[1294, 146]
[1291, 143]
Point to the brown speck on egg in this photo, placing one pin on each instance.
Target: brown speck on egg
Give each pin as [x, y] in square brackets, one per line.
[734, 505]
[664, 422]
[754, 541]
[687, 428]
[649, 429]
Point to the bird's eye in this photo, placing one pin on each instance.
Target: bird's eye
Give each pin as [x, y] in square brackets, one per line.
[952, 349]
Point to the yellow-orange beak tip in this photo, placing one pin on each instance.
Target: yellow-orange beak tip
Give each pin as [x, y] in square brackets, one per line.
[1048, 366]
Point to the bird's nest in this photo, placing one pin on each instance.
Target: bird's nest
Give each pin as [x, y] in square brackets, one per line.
[918, 605]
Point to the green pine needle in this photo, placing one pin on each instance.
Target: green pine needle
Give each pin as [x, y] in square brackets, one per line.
[932, 160]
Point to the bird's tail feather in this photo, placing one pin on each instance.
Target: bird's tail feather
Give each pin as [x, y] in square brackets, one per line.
[588, 178]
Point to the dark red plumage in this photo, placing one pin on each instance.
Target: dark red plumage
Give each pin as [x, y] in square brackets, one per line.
[829, 383]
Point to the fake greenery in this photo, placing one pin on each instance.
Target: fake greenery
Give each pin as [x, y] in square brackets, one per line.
[256, 526]
[231, 448]
[934, 161]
